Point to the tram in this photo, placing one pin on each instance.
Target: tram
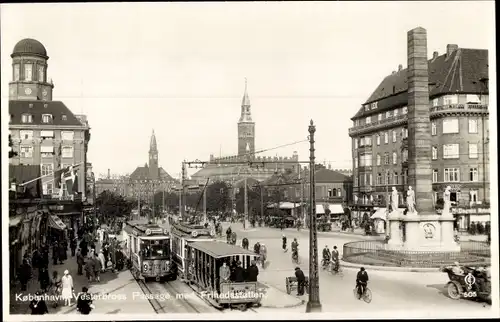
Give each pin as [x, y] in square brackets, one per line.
[147, 249]
[205, 259]
[182, 234]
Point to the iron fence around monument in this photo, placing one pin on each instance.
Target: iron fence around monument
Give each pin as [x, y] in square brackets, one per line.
[379, 253]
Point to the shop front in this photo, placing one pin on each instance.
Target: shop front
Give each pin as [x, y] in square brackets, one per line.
[15, 251]
[467, 217]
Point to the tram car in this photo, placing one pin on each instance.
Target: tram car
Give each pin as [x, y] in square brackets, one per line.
[183, 234]
[147, 250]
[205, 259]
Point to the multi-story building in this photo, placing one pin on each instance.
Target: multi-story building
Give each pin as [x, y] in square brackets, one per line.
[44, 132]
[458, 96]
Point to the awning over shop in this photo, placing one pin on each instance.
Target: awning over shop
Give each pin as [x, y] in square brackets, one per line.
[336, 209]
[56, 222]
[285, 205]
[320, 210]
[15, 220]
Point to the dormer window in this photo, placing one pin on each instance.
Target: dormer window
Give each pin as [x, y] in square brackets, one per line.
[46, 118]
[367, 107]
[374, 105]
[380, 116]
[27, 118]
[368, 119]
[388, 114]
[64, 117]
[28, 72]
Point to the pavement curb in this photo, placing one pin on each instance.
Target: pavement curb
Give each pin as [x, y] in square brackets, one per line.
[391, 268]
[290, 306]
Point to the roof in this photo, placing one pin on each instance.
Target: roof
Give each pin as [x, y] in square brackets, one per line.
[25, 173]
[31, 47]
[142, 173]
[36, 108]
[250, 183]
[214, 171]
[218, 249]
[459, 72]
[329, 176]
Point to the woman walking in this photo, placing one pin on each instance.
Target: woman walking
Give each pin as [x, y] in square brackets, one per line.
[55, 288]
[67, 288]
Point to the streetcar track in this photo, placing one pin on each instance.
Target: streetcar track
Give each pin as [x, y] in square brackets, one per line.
[157, 307]
[185, 301]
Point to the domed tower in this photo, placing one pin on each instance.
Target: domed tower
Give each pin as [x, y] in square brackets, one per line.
[29, 72]
[246, 127]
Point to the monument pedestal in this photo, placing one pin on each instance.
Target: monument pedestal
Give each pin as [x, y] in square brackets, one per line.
[395, 235]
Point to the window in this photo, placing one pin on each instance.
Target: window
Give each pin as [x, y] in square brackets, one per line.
[356, 181]
[374, 105]
[26, 152]
[48, 189]
[366, 160]
[405, 155]
[405, 133]
[451, 151]
[47, 151]
[46, 168]
[378, 139]
[380, 116]
[405, 110]
[379, 159]
[473, 99]
[473, 174]
[387, 114]
[396, 112]
[434, 153]
[435, 173]
[367, 107]
[28, 72]
[26, 135]
[450, 125]
[40, 74]
[450, 99]
[46, 118]
[362, 141]
[396, 178]
[355, 143]
[67, 135]
[379, 178]
[47, 134]
[433, 128]
[355, 162]
[330, 193]
[473, 151]
[473, 195]
[472, 125]
[369, 180]
[394, 136]
[394, 158]
[17, 72]
[356, 122]
[27, 118]
[368, 141]
[435, 102]
[386, 137]
[451, 175]
[386, 158]
[368, 119]
[67, 152]
[339, 192]
[388, 178]
[64, 117]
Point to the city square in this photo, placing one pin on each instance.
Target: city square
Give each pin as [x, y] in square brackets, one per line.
[271, 185]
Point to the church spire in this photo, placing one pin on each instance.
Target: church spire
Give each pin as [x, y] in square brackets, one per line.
[152, 143]
[246, 115]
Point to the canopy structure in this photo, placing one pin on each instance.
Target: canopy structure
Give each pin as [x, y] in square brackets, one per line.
[336, 209]
[320, 210]
[285, 205]
[56, 222]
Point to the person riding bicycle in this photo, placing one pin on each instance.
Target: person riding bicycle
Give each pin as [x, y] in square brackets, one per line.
[244, 243]
[335, 258]
[361, 281]
[256, 248]
[326, 256]
[295, 249]
[229, 231]
[284, 243]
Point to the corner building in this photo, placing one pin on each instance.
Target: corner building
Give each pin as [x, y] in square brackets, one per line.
[458, 96]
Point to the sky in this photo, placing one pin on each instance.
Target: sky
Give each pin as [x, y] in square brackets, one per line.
[180, 68]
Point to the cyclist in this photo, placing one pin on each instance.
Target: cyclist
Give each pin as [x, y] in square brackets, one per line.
[326, 256]
[263, 254]
[361, 282]
[229, 232]
[295, 249]
[284, 243]
[335, 258]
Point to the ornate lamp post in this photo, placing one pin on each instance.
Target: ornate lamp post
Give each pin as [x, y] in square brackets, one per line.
[313, 304]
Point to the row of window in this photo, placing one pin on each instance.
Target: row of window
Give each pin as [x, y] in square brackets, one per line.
[454, 196]
[28, 135]
[450, 175]
[388, 114]
[46, 118]
[28, 72]
[46, 152]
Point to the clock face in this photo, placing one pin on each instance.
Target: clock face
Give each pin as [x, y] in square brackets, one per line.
[44, 93]
[27, 91]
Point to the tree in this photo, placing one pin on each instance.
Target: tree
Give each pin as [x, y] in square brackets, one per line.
[218, 199]
[253, 194]
[12, 153]
[171, 200]
[112, 205]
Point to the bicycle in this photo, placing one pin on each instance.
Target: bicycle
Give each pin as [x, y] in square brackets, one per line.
[295, 258]
[325, 263]
[367, 294]
[335, 270]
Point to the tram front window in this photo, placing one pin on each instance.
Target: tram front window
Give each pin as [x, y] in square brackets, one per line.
[155, 248]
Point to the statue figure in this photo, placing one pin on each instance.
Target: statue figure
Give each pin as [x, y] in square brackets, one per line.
[447, 201]
[394, 199]
[410, 199]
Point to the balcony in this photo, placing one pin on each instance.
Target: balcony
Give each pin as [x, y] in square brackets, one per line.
[378, 125]
[364, 148]
[459, 108]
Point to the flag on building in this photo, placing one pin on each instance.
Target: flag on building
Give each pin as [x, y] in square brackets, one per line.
[57, 167]
[69, 176]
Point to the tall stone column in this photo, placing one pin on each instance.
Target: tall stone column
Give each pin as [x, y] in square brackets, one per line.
[419, 129]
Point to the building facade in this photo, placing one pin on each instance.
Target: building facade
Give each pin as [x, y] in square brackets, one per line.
[44, 132]
[458, 96]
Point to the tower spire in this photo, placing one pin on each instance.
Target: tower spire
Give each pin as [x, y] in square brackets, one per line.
[246, 115]
[152, 143]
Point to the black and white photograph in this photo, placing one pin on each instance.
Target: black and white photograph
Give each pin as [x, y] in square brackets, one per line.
[249, 160]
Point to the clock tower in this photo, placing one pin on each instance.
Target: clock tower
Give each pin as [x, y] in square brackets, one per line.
[29, 72]
[153, 158]
[246, 127]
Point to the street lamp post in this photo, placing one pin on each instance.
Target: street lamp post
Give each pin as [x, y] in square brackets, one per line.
[313, 304]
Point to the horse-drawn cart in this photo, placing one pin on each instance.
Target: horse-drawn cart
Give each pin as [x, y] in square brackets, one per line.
[292, 284]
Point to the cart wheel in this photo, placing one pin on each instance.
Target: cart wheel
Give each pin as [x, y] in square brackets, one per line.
[288, 289]
[454, 290]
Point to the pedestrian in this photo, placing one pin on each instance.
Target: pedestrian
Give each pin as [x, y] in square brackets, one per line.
[102, 261]
[55, 288]
[238, 273]
[44, 279]
[55, 253]
[84, 247]
[252, 272]
[301, 280]
[97, 268]
[63, 251]
[24, 274]
[37, 259]
[89, 269]
[84, 303]
[38, 305]
[80, 261]
[67, 288]
[72, 245]
[105, 251]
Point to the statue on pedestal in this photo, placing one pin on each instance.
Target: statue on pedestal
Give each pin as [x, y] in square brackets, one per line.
[447, 201]
[410, 199]
[394, 199]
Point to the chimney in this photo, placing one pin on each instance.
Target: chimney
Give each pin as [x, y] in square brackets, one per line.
[435, 55]
[450, 49]
[109, 173]
[400, 67]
